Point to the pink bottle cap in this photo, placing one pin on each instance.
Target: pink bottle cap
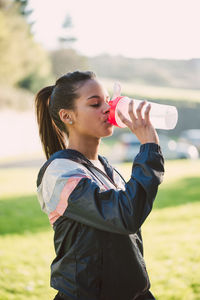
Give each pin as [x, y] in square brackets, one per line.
[113, 103]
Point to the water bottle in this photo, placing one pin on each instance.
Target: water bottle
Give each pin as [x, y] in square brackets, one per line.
[161, 116]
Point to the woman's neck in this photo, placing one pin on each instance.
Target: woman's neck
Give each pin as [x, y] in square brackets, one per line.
[88, 147]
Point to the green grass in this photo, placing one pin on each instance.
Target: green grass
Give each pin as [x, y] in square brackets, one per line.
[172, 242]
[23, 215]
[171, 232]
[171, 236]
[26, 239]
[25, 261]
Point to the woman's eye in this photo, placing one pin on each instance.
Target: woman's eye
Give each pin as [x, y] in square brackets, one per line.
[95, 105]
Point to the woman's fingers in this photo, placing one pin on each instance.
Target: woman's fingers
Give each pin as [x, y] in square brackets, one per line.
[139, 110]
[124, 119]
[135, 118]
[147, 113]
[131, 111]
[140, 123]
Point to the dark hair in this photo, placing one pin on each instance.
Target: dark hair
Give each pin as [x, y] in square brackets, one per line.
[48, 103]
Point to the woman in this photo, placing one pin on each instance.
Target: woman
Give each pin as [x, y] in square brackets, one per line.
[95, 214]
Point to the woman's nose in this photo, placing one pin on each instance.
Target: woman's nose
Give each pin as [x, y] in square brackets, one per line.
[106, 108]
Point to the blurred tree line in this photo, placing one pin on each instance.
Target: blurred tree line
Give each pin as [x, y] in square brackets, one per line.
[65, 58]
[23, 62]
[157, 72]
[25, 65]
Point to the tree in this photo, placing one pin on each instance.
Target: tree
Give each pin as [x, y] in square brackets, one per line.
[23, 61]
[66, 60]
[66, 40]
[22, 7]
[3, 4]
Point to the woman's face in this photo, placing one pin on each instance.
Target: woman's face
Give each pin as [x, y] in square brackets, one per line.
[90, 117]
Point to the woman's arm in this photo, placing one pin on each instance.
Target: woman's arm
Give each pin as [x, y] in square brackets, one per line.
[116, 211]
[77, 197]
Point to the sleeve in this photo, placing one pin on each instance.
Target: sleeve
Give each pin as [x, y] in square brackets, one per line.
[117, 211]
[146, 296]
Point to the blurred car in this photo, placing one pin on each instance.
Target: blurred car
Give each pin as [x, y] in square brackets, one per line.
[170, 148]
[191, 136]
[130, 146]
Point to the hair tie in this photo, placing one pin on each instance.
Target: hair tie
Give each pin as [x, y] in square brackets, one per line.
[50, 96]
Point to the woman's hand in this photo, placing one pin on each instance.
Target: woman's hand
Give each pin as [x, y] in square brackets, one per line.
[139, 125]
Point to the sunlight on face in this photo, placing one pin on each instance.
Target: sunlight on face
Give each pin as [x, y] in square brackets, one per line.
[92, 110]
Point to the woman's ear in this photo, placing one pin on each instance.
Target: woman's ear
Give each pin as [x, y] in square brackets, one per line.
[66, 116]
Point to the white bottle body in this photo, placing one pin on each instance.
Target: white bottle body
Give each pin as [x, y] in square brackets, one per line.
[162, 116]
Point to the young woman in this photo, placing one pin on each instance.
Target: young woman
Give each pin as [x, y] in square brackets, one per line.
[95, 214]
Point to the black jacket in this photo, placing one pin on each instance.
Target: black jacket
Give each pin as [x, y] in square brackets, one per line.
[97, 220]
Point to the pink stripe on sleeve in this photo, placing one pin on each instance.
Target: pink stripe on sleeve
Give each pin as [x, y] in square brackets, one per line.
[63, 203]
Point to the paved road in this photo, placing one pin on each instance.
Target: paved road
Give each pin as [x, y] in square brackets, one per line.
[23, 164]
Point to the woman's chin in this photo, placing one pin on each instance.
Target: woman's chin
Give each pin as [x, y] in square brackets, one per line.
[108, 132]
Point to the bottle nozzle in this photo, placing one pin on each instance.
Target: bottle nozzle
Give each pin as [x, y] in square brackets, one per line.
[116, 90]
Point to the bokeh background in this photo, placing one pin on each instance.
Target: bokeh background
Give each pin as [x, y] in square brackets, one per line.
[153, 49]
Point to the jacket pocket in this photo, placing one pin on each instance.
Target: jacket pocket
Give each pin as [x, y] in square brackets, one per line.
[89, 275]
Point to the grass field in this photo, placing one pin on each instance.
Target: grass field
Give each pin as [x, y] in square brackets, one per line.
[171, 236]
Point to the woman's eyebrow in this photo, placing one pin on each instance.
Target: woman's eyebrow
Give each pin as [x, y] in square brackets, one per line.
[97, 97]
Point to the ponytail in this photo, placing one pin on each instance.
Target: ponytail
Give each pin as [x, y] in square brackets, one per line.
[52, 138]
[48, 103]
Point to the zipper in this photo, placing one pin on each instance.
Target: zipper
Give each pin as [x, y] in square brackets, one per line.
[120, 175]
[100, 171]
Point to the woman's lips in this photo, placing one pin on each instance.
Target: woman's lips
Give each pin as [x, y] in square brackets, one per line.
[106, 119]
[107, 122]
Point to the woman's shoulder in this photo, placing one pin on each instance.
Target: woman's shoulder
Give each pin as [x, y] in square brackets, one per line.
[60, 164]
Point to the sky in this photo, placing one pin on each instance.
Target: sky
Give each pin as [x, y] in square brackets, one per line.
[167, 29]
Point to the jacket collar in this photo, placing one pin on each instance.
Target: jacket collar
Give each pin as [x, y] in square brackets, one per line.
[77, 157]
